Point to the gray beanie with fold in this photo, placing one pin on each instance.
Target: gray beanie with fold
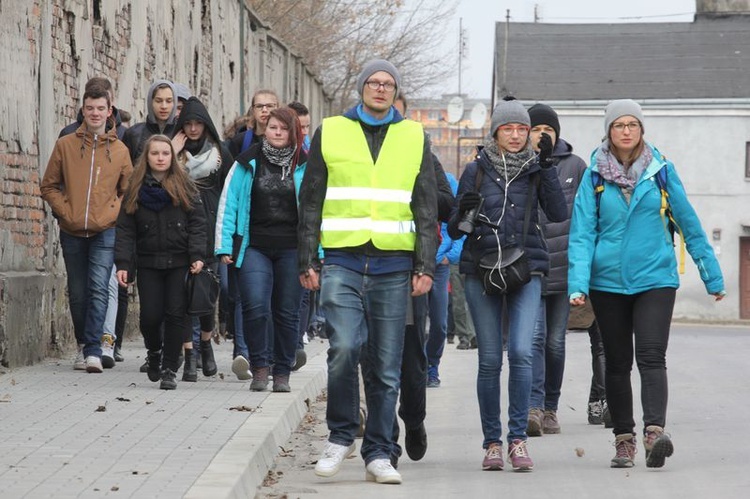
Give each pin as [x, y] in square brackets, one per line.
[508, 111]
[622, 107]
[372, 67]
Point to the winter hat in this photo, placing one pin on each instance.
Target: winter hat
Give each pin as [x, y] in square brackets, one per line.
[542, 114]
[373, 67]
[509, 110]
[622, 107]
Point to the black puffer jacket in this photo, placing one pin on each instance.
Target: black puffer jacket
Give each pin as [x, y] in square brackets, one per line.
[163, 239]
[482, 241]
[313, 191]
[569, 169]
[136, 136]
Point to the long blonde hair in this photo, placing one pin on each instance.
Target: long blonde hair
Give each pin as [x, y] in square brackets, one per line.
[176, 182]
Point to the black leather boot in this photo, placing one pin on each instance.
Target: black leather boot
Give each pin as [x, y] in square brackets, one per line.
[207, 356]
[190, 370]
[153, 368]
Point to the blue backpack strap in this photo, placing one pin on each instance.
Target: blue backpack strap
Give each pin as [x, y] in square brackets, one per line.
[247, 139]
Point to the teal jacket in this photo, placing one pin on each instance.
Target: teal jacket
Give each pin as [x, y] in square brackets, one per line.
[233, 214]
[629, 249]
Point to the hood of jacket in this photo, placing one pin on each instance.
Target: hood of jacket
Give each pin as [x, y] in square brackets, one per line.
[151, 118]
[195, 110]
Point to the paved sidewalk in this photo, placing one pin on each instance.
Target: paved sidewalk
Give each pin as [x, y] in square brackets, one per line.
[67, 433]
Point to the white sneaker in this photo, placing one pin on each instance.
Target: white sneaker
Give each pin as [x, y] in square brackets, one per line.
[108, 351]
[79, 363]
[93, 364]
[381, 471]
[241, 368]
[305, 339]
[333, 455]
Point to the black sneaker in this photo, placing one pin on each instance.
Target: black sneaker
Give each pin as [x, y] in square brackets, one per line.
[118, 355]
[606, 416]
[168, 380]
[153, 363]
[415, 442]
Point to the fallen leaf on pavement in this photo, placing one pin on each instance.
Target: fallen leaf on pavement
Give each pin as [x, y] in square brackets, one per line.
[242, 408]
[122, 399]
[101, 408]
[580, 452]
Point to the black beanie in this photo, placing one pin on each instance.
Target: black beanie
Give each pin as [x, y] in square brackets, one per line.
[542, 114]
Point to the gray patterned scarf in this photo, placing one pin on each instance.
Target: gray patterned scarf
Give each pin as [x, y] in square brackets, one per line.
[613, 171]
[508, 164]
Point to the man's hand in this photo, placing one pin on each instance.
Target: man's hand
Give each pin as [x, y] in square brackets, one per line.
[122, 278]
[310, 280]
[420, 284]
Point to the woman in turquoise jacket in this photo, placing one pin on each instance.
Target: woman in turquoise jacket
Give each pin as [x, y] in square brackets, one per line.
[256, 232]
[622, 257]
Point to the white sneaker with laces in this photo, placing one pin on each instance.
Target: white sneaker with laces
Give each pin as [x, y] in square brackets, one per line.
[333, 455]
[79, 363]
[241, 368]
[108, 351]
[93, 364]
[382, 471]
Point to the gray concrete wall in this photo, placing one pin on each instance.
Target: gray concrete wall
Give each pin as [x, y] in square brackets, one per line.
[48, 49]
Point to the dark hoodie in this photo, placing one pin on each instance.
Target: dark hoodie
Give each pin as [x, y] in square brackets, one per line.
[569, 169]
[135, 137]
[79, 121]
[210, 179]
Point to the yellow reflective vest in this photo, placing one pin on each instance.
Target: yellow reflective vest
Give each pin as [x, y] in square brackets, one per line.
[365, 200]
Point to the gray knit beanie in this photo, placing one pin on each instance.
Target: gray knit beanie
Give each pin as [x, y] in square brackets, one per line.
[622, 107]
[373, 67]
[508, 111]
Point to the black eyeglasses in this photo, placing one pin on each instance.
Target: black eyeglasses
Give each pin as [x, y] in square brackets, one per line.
[388, 86]
[265, 106]
[633, 126]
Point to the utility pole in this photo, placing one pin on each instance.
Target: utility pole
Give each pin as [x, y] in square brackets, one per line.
[460, 50]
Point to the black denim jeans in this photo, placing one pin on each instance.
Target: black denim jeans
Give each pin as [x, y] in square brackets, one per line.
[598, 363]
[645, 317]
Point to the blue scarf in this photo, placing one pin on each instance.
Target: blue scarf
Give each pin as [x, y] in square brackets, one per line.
[153, 197]
[368, 119]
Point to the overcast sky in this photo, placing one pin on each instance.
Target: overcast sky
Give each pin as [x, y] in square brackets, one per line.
[479, 24]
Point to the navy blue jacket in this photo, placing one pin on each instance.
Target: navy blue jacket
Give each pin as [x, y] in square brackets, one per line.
[482, 241]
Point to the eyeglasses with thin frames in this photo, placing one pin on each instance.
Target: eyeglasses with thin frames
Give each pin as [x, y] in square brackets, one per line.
[508, 130]
[271, 105]
[388, 86]
[633, 126]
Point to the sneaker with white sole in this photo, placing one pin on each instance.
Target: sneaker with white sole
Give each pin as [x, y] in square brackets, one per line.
[79, 363]
[382, 471]
[241, 368]
[93, 364]
[108, 351]
[333, 455]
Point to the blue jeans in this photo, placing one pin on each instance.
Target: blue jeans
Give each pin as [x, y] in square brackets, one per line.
[486, 312]
[88, 262]
[549, 351]
[110, 318]
[271, 295]
[230, 291]
[438, 299]
[364, 311]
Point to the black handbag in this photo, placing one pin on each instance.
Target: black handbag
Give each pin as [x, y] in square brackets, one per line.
[202, 292]
[508, 270]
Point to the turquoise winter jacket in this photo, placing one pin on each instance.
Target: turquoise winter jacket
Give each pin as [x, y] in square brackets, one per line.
[233, 214]
[629, 249]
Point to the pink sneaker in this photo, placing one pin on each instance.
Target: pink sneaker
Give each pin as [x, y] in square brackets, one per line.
[493, 457]
[518, 456]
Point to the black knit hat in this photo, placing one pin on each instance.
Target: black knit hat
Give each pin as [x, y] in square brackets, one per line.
[542, 114]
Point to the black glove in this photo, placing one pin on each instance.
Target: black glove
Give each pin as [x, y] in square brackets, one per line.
[469, 201]
[545, 151]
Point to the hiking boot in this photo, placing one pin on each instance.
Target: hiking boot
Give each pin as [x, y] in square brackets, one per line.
[534, 425]
[433, 379]
[658, 446]
[118, 355]
[281, 383]
[331, 459]
[153, 365]
[207, 356]
[463, 345]
[381, 471]
[550, 425]
[606, 415]
[93, 364]
[415, 442]
[144, 366]
[493, 457]
[241, 368]
[300, 359]
[518, 455]
[190, 369]
[79, 363]
[260, 379]
[595, 412]
[624, 451]
[168, 380]
[108, 351]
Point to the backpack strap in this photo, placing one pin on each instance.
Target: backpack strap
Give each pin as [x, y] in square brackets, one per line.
[598, 183]
[670, 224]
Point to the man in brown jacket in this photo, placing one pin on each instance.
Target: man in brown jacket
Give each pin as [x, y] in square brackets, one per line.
[83, 184]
